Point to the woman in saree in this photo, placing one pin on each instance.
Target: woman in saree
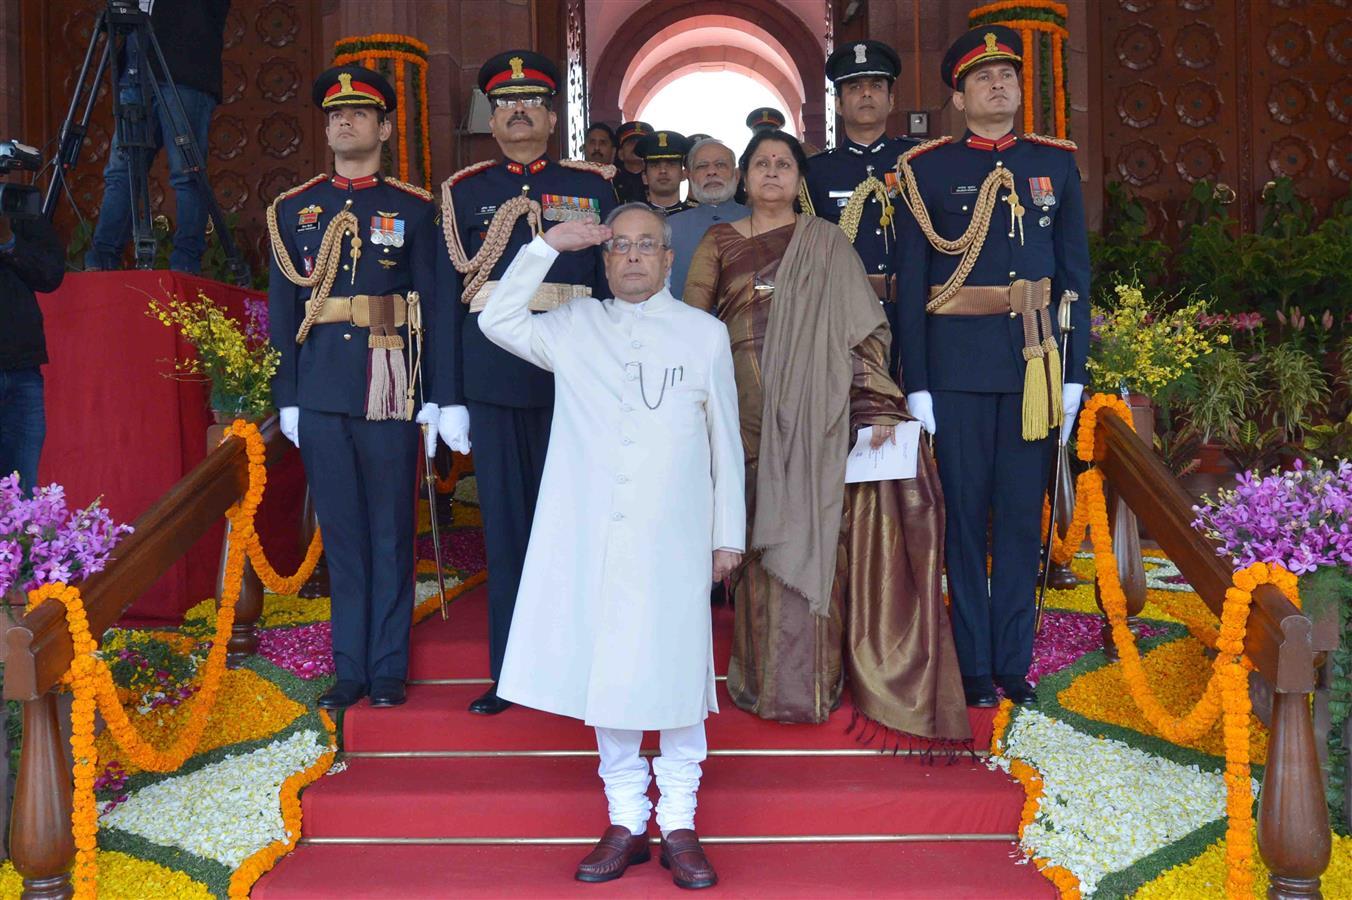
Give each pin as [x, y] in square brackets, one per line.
[841, 582]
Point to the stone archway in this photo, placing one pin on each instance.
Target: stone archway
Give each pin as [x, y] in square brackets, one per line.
[783, 55]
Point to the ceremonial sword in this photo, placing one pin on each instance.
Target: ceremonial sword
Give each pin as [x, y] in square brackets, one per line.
[430, 473]
[1063, 319]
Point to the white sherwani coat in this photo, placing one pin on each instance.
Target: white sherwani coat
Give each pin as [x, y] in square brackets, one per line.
[644, 479]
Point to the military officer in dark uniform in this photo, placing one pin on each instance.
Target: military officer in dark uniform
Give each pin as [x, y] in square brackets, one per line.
[629, 185]
[980, 353]
[854, 185]
[663, 154]
[491, 210]
[348, 376]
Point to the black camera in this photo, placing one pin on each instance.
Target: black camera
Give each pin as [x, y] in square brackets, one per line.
[19, 201]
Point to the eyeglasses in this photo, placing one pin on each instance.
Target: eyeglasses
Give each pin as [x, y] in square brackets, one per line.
[513, 102]
[646, 246]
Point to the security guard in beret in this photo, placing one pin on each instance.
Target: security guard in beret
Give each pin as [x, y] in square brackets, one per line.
[854, 185]
[352, 299]
[663, 154]
[629, 186]
[995, 256]
[765, 117]
[490, 211]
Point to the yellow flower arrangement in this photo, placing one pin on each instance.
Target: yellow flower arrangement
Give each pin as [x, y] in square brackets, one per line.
[1148, 345]
[238, 362]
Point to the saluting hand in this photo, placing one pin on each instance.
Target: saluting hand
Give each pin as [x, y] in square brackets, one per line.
[576, 235]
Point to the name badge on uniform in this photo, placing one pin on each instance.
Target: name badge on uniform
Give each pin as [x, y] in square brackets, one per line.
[842, 198]
[962, 189]
[1042, 192]
[558, 208]
[386, 230]
[308, 218]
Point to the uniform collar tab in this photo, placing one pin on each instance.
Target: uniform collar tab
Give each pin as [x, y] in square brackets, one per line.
[976, 142]
[517, 168]
[355, 184]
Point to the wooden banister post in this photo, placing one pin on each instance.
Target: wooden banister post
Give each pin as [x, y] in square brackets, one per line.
[1130, 567]
[1293, 818]
[40, 839]
[244, 633]
[1061, 577]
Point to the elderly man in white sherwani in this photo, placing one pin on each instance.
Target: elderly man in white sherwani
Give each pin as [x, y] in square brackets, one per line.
[641, 506]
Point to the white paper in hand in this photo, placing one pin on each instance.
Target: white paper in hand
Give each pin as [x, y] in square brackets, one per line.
[890, 461]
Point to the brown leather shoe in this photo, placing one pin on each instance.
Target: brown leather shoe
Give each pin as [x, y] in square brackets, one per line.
[682, 854]
[616, 851]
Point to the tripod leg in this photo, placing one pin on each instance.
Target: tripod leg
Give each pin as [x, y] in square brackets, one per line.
[72, 133]
[141, 153]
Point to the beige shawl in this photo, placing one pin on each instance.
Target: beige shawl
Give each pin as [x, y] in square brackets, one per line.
[823, 307]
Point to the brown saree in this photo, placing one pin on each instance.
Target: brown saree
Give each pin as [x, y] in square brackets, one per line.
[885, 610]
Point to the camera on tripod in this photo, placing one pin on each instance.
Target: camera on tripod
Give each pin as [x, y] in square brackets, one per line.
[19, 201]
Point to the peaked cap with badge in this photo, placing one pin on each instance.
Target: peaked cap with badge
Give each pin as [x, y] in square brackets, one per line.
[631, 130]
[990, 43]
[860, 59]
[663, 145]
[765, 117]
[518, 73]
[352, 86]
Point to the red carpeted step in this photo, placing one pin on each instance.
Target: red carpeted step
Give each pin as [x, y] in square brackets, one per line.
[982, 870]
[457, 647]
[435, 718]
[555, 797]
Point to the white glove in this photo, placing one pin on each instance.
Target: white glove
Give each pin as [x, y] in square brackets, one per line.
[1071, 394]
[453, 426]
[922, 408]
[428, 416]
[290, 423]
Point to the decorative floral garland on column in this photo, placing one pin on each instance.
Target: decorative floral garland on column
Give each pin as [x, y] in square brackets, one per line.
[91, 681]
[406, 57]
[1042, 25]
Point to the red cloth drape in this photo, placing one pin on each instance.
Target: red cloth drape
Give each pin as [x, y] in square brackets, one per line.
[119, 428]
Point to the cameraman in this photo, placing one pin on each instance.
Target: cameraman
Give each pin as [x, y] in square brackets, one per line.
[31, 259]
[191, 34]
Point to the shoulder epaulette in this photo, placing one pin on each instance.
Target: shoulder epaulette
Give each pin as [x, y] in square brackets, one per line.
[470, 170]
[925, 147]
[409, 188]
[301, 187]
[605, 170]
[1051, 141]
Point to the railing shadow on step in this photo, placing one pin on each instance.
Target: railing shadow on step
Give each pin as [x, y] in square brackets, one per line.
[37, 650]
[1286, 647]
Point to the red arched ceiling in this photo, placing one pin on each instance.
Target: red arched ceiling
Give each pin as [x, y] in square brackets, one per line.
[712, 33]
[767, 17]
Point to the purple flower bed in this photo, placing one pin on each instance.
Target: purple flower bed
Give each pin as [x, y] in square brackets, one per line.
[461, 549]
[1066, 636]
[305, 651]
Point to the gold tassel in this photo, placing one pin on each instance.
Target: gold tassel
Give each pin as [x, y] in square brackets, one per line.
[1036, 412]
[1058, 416]
[388, 379]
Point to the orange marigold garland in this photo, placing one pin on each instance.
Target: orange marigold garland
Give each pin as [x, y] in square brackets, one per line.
[1227, 692]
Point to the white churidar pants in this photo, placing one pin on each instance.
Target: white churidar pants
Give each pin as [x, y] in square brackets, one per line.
[625, 774]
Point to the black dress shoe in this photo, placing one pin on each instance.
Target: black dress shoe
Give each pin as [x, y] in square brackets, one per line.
[388, 692]
[1018, 691]
[342, 695]
[980, 691]
[489, 703]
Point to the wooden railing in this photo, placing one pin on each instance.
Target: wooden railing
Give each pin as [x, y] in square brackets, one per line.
[1285, 646]
[37, 651]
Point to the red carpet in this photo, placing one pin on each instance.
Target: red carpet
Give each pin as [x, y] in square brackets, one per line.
[458, 819]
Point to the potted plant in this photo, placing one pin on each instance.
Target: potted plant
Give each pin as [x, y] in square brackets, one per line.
[236, 360]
